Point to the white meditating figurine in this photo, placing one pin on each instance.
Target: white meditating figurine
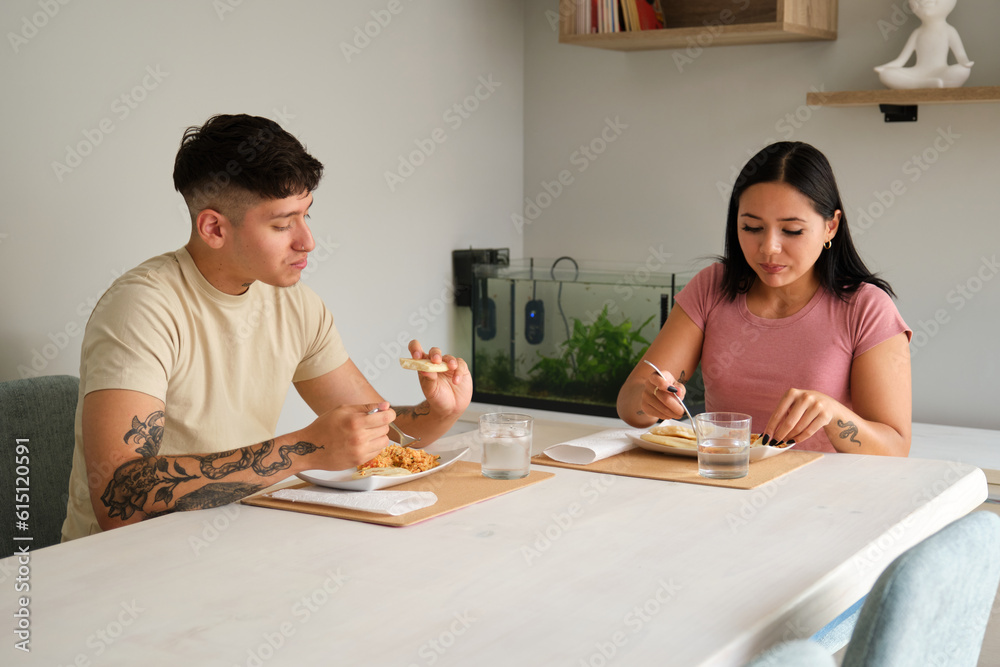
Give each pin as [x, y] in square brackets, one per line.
[931, 41]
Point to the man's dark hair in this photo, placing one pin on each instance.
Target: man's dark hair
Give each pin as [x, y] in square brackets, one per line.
[840, 269]
[233, 161]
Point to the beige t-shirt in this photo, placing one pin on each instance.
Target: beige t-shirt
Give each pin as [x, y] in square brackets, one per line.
[221, 364]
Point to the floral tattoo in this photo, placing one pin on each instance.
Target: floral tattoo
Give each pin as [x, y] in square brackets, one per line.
[130, 487]
[147, 434]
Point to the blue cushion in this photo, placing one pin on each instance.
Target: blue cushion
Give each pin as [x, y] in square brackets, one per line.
[835, 635]
[931, 605]
[800, 653]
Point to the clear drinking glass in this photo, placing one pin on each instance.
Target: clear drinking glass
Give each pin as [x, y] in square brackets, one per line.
[723, 444]
[506, 445]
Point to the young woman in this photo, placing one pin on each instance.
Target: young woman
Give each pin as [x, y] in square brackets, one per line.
[790, 327]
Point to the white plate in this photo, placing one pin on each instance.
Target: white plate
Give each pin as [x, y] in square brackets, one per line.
[756, 453]
[341, 479]
[664, 449]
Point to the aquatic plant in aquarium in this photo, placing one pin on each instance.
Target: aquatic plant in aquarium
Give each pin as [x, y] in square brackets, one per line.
[596, 359]
[565, 340]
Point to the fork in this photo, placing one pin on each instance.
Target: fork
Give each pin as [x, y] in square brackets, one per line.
[673, 390]
[404, 439]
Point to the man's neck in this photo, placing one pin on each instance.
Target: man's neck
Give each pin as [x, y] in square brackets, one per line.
[213, 269]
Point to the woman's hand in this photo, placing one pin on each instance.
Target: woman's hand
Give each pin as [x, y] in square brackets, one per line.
[657, 401]
[800, 414]
[644, 398]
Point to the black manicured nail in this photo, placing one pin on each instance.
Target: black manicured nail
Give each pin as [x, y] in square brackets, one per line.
[789, 443]
[766, 439]
[672, 389]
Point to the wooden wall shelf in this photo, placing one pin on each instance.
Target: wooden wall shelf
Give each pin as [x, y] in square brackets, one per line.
[702, 23]
[901, 105]
[858, 98]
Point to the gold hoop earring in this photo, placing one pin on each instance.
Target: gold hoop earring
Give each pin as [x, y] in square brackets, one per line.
[828, 244]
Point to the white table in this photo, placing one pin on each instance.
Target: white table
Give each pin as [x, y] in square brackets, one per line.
[580, 569]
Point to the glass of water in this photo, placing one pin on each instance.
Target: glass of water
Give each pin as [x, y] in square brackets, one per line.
[506, 440]
[723, 444]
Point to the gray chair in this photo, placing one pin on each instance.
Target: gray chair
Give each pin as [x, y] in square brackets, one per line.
[42, 411]
[929, 607]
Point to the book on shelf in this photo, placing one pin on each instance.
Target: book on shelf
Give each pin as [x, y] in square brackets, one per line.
[649, 14]
[630, 15]
[603, 16]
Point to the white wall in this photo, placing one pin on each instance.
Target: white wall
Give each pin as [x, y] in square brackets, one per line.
[691, 125]
[662, 182]
[383, 254]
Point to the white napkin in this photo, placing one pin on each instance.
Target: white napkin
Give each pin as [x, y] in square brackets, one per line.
[594, 447]
[379, 502]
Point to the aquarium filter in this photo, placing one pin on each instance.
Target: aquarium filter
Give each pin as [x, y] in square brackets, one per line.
[462, 263]
[534, 321]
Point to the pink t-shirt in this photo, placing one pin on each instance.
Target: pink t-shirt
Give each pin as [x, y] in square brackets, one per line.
[749, 362]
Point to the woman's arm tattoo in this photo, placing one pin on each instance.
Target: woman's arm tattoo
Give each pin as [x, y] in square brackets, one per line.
[850, 430]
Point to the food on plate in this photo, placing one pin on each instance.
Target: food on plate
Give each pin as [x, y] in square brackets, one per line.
[396, 460]
[672, 435]
[683, 437]
[675, 430]
[389, 471]
[425, 365]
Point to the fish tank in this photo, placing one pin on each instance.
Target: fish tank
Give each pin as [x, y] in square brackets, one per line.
[562, 335]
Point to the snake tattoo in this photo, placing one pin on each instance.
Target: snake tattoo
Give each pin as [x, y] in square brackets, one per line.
[132, 483]
[850, 430]
[251, 458]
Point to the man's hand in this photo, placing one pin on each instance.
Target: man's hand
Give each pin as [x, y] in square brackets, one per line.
[449, 392]
[448, 395]
[350, 434]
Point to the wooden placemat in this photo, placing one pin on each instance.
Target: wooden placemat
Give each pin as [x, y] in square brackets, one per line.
[643, 463]
[462, 484]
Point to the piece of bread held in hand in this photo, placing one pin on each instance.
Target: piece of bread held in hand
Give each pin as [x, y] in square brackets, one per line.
[425, 365]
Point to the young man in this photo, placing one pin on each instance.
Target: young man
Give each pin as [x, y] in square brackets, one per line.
[187, 358]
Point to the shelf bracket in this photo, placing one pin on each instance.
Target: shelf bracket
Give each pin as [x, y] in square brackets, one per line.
[899, 113]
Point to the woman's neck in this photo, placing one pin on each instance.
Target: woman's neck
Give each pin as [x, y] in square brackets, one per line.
[775, 303]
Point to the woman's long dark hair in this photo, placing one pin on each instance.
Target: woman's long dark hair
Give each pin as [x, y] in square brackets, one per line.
[839, 268]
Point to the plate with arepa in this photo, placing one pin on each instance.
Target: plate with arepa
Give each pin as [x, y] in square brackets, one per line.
[677, 438]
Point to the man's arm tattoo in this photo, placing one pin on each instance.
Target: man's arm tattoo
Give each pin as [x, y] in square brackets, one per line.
[147, 434]
[251, 458]
[134, 481]
[413, 411]
[850, 430]
[212, 495]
